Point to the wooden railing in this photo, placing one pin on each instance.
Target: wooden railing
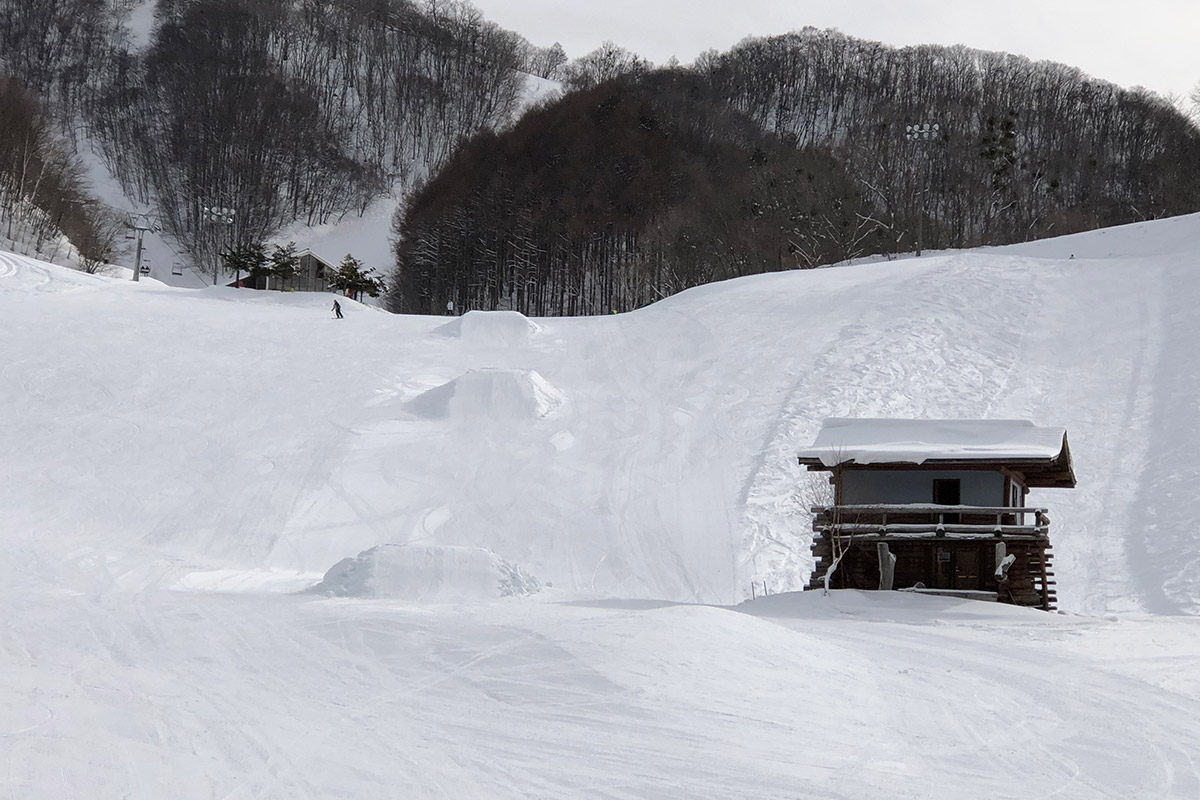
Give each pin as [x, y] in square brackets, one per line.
[917, 520]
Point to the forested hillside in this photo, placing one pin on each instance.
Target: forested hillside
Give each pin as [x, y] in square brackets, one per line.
[44, 203]
[542, 219]
[298, 110]
[1026, 149]
[52, 57]
[785, 152]
[615, 197]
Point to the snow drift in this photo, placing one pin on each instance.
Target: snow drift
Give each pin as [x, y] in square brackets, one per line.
[491, 394]
[427, 574]
[504, 328]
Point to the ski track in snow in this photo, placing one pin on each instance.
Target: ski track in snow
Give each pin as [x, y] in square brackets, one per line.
[178, 465]
[1161, 534]
[903, 356]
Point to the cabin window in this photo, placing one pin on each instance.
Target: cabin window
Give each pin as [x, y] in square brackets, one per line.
[947, 492]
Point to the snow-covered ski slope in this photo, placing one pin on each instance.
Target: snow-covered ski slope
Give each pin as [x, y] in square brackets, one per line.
[178, 467]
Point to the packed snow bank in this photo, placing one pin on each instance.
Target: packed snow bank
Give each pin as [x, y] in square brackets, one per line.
[248, 581]
[22, 275]
[1137, 240]
[903, 607]
[490, 394]
[506, 328]
[427, 574]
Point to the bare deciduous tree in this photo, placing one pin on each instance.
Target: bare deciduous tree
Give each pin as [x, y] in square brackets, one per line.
[607, 62]
[99, 240]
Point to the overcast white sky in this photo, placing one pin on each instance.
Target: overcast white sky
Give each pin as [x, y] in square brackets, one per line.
[1152, 43]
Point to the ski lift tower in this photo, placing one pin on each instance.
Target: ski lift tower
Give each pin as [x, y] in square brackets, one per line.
[141, 223]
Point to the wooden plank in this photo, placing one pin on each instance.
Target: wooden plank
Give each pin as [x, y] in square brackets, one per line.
[928, 508]
[924, 532]
[973, 594]
[932, 527]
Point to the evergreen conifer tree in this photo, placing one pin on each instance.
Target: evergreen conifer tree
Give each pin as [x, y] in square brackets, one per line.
[248, 257]
[354, 281]
[284, 263]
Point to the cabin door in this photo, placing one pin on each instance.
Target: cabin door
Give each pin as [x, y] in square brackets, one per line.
[960, 566]
[967, 568]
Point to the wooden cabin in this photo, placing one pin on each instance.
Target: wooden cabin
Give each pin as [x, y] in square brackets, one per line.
[938, 506]
[313, 274]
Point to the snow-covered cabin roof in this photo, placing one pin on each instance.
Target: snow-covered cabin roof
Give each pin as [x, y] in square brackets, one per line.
[1041, 454]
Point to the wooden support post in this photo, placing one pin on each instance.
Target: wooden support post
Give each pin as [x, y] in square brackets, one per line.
[887, 567]
[1003, 562]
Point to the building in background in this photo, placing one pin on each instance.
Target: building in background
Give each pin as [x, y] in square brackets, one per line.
[312, 275]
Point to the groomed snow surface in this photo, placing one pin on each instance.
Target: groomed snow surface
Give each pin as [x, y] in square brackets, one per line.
[250, 551]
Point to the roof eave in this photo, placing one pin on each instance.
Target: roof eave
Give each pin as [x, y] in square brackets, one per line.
[1055, 472]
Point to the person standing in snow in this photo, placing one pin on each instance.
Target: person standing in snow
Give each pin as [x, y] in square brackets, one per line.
[337, 309]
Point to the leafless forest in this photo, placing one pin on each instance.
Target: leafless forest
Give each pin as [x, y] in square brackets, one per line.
[289, 110]
[786, 152]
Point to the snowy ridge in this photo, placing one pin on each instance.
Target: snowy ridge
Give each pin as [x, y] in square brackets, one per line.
[650, 454]
[681, 430]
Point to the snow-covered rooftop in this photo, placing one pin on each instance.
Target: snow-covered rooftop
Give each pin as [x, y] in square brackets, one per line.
[915, 441]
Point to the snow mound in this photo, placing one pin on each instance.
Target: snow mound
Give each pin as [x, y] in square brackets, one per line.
[491, 394]
[507, 328]
[427, 574]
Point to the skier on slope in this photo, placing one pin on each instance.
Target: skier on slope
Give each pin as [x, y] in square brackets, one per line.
[337, 310]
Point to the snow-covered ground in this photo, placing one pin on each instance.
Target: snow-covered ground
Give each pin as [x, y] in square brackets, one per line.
[180, 468]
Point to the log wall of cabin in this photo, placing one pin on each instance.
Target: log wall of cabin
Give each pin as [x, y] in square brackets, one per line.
[970, 566]
[946, 564]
